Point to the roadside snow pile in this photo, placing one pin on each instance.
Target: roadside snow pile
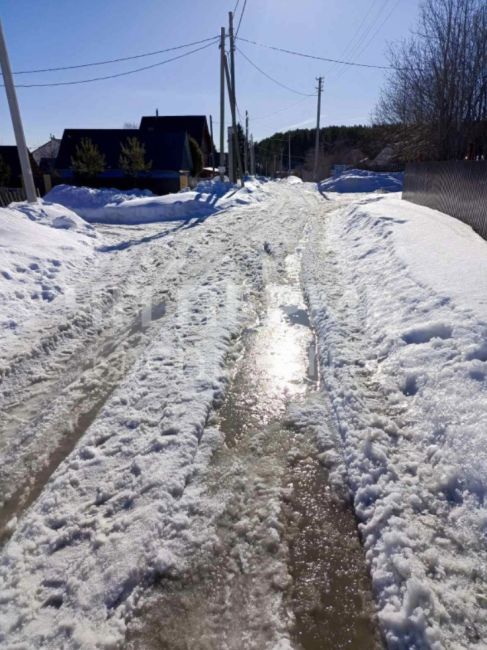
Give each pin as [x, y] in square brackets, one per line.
[56, 216]
[212, 186]
[112, 206]
[398, 297]
[42, 247]
[360, 180]
[292, 180]
[88, 197]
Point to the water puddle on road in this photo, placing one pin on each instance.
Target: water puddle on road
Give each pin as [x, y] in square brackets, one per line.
[287, 569]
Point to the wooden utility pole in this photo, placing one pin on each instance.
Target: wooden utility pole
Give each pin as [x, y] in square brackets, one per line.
[317, 137]
[233, 98]
[222, 104]
[232, 51]
[212, 145]
[233, 104]
[231, 172]
[30, 190]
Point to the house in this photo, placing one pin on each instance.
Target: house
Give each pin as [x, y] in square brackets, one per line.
[196, 126]
[11, 172]
[168, 152]
[45, 155]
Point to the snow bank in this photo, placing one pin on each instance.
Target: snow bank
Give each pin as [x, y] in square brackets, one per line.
[42, 248]
[292, 180]
[360, 180]
[56, 216]
[136, 207]
[398, 296]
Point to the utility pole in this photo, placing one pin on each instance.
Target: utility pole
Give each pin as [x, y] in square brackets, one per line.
[237, 167]
[246, 147]
[30, 190]
[317, 137]
[289, 154]
[233, 97]
[222, 104]
[252, 156]
[232, 52]
[231, 173]
[212, 145]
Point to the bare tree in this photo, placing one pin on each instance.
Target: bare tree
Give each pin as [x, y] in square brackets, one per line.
[437, 91]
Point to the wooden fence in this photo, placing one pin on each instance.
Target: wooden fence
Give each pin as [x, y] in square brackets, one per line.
[10, 194]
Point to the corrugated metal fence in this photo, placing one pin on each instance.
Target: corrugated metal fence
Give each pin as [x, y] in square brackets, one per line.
[456, 187]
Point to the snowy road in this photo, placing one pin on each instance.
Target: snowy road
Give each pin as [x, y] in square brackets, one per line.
[131, 374]
[187, 405]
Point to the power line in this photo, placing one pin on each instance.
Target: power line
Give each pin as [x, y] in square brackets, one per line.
[365, 44]
[355, 51]
[318, 58]
[379, 27]
[119, 74]
[297, 92]
[119, 60]
[236, 6]
[356, 35]
[282, 110]
[241, 16]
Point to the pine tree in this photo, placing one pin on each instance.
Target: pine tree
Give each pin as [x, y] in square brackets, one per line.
[132, 158]
[88, 160]
[4, 173]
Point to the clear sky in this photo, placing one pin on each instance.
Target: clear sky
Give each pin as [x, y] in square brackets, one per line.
[51, 33]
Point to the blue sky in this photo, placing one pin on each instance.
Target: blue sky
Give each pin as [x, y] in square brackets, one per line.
[49, 33]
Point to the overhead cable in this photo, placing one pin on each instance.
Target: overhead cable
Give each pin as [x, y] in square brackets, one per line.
[281, 110]
[119, 74]
[241, 16]
[279, 83]
[317, 58]
[119, 60]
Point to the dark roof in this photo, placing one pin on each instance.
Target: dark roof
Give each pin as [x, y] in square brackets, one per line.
[48, 150]
[10, 155]
[167, 151]
[195, 126]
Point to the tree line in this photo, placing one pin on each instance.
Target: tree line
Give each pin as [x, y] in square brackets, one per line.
[357, 145]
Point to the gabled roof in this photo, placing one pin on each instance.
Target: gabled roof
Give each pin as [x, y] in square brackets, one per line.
[48, 150]
[195, 126]
[167, 151]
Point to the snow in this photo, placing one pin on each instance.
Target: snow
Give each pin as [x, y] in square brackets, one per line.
[108, 523]
[361, 180]
[292, 180]
[397, 295]
[137, 207]
[398, 298]
[42, 249]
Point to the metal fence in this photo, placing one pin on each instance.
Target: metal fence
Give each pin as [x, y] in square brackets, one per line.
[457, 187]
